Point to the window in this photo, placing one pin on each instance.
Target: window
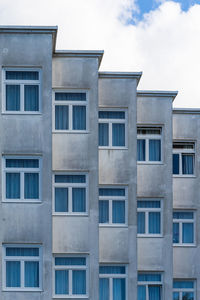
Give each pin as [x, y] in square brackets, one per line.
[21, 178]
[112, 282]
[183, 290]
[149, 144]
[112, 128]
[70, 193]
[112, 206]
[21, 90]
[22, 267]
[183, 158]
[149, 217]
[70, 110]
[183, 227]
[71, 276]
[149, 286]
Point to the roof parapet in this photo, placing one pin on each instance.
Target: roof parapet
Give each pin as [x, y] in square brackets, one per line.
[186, 111]
[147, 93]
[121, 75]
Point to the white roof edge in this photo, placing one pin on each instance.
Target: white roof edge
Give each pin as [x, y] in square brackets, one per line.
[121, 75]
[188, 111]
[147, 93]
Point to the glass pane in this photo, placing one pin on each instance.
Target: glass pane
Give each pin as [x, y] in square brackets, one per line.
[141, 150]
[188, 233]
[70, 96]
[188, 296]
[175, 163]
[177, 284]
[103, 211]
[119, 289]
[22, 75]
[154, 150]
[141, 292]
[78, 282]
[176, 233]
[61, 199]
[12, 274]
[70, 178]
[187, 164]
[154, 292]
[149, 277]
[111, 115]
[62, 282]
[11, 251]
[148, 204]
[112, 270]
[103, 134]
[103, 289]
[140, 222]
[12, 97]
[31, 98]
[176, 296]
[183, 145]
[79, 117]
[149, 131]
[31, 186]
[118, 134]
[118, 212]
[31, 274]
[12, 186]
[183, 215]
[70, 261]
[22, 163]
[154, 222]
[111, 192]
[78, 199]
[61, 117]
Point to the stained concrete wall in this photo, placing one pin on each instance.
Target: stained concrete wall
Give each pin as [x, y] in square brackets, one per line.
[155, 181]
[28, 134]
[118, 167]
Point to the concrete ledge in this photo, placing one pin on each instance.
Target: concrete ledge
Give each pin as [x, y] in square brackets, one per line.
[172, 94]
[121, 75]
[187, 111]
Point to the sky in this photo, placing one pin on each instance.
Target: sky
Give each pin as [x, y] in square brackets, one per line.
[161, 38]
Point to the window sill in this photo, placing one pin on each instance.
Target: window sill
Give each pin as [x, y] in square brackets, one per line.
[69, 214]
[22, 201]
[150, 163]
[21, 290]
[71, 131]
[69, 297]
[113, 148]
[184, 176]
[150, 236]
[185, 245]
[21, 113]
[113, 226]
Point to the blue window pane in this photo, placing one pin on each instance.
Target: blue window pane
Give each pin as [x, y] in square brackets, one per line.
[103, 134]
[188, 296]
[103, 211]
[111, 115]
[22, 163]
[141, 155]
[183, 215]
[61, 117]
[78, 282]
[22, 75]
[111, 192]
[175, 164]
[70, 261]
[61, 282]
[12, 274]
[187, 164]
[148, 204]
[118, 134]
[70, 96]
[188, 233]
[31, 185]
[12, 97]
[112, 270]
[154, 150]
[12, 186]
[176, 296]
[177, 284]
[70, 178]
[78, 199]
[79, 117]
[103, 289]
[31, 274]
[154, 222]
[140, 222]
[149, 277]
[175, 233]
[154, 292]
[61, 199]
[141, 292]
[31, 98]
[119, 289]
[118, 212]
[11, 251]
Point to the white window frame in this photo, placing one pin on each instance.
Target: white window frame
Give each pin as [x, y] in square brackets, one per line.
[22, 260]
[114, 275]
[21, 83]
[21, 171]
[147, 211]
[181, 221]
[70, 186]
[181, 152]
[148, 137]
[70, 269]
[182, 290]
[117, 121]
[70, 105]
[110, 200]
[154, 283]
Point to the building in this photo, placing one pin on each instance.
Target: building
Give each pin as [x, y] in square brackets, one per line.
[87, 187]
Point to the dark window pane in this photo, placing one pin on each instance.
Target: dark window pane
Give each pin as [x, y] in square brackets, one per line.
[31, 274]
[104, 289]
[103, 211]
[118, 212]
[61, 199]
[141, 150]
[12, 274]
[79, 117]
[11, 251]
[187, 164]
[112, 270]
[119, 288]
[175, 163]
[118, 134]
[183, 215]
[12, 97]
[70, 261]
[22, 75]
[111, 192]
[78, 282]
[175, 233]
[12, 186]
[70, 178]
[140, 222]
[103, 134]
[154, 150]
[61, 117]
[188, 233]
[149, 277]
[31, 186]
[78, 199]
[154, 222]
[31, 98]
[22, 163]
[61, 282]
[178, 284]
[111, 115]
[70, 96]
[148, 204]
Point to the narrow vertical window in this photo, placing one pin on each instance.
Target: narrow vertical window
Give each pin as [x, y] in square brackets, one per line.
[183, 158]
[183, 228]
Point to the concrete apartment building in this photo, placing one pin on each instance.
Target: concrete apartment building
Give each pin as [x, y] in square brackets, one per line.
[99, 181]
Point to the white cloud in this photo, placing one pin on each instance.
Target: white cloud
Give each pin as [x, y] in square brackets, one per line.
[165, 46]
